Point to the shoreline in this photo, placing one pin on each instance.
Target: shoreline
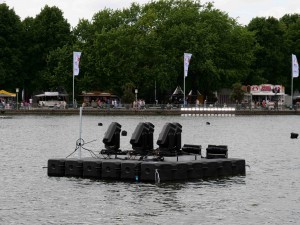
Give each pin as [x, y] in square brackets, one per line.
[154, 112]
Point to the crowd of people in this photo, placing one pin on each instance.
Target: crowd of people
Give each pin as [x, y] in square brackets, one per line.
[102, 103]
[7, 103]
[139, 104]
[10, 104]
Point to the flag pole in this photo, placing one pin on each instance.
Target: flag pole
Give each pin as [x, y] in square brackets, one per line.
[292, 82]
[155, 92]
[183, 89]
[73, 75]
[73, 91]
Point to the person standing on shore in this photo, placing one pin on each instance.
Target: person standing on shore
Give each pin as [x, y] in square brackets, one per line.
[30, 103]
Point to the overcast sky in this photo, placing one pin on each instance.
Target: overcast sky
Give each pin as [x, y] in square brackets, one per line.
[242, 10]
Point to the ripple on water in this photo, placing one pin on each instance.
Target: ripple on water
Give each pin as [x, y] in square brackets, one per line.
[268, 194]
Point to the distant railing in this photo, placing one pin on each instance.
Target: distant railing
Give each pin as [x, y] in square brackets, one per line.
[216, 107]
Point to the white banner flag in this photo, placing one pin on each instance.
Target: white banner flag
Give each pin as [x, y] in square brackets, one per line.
[76, 60]
[295, 66]
[187, 58]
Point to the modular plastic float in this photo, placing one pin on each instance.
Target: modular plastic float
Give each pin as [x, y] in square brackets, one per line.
[169, 162]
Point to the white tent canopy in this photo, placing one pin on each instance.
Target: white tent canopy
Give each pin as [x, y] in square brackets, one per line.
[46, 94]
[178, 91]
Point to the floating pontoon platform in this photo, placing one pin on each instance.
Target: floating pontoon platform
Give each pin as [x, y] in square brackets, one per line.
[168, 162]
[186, 168]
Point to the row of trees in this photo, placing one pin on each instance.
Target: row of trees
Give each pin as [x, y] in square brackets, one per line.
[142, 47]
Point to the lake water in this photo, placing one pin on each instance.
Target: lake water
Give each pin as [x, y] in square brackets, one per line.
[268, 194]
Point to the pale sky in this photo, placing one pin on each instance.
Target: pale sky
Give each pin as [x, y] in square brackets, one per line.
[242, 10]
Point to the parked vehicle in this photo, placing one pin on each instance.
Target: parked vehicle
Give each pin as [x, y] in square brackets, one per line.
[52, 99]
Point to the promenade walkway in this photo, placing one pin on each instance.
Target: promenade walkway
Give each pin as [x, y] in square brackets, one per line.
[160, 111]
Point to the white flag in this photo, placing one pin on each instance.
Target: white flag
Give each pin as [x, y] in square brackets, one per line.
[76, 60]
[187, 58]
[295, 66]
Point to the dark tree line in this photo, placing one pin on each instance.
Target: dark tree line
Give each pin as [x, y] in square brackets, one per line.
[143, 45]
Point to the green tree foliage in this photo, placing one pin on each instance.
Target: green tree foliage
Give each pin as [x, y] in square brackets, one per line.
[292, 45]
[142, 47]
[272, 55]
[10, 48]
[228, 50]
[59, 69]
[237, 93]
[45, 33]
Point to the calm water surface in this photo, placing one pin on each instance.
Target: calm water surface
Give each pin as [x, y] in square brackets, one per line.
[268, 194]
